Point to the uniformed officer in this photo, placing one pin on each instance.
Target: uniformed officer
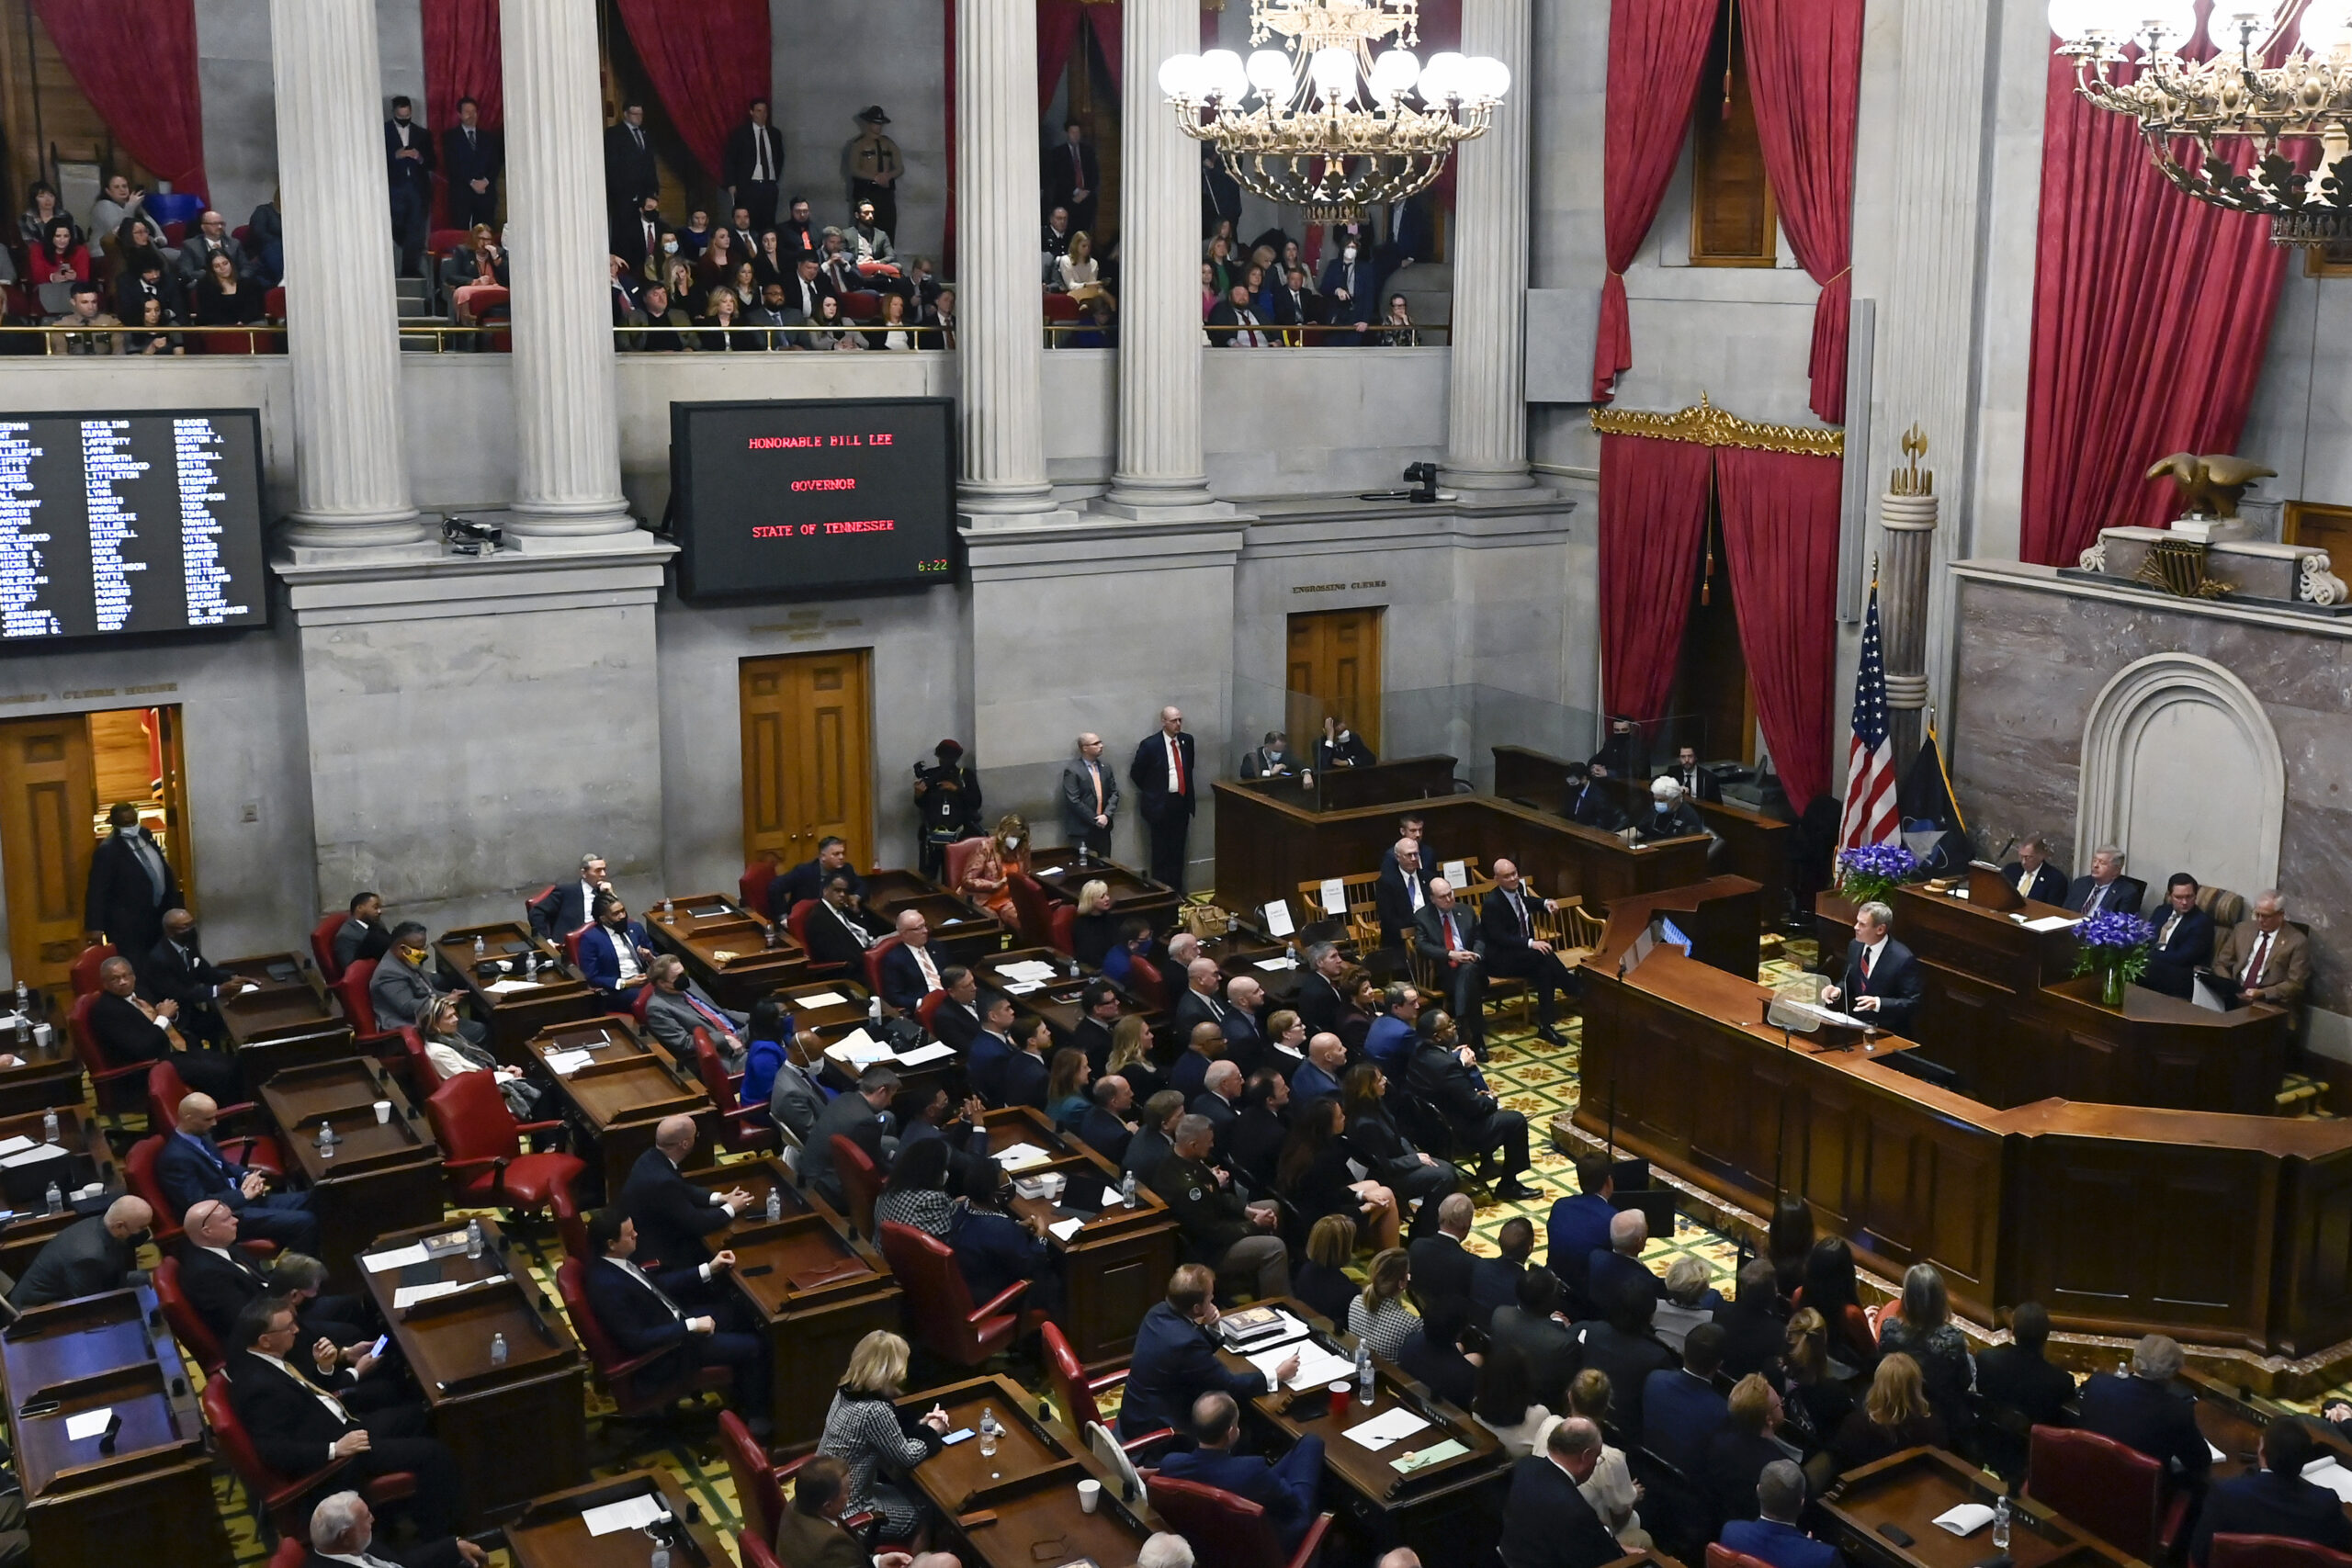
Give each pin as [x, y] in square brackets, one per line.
[947, 798]
[1237, 1238]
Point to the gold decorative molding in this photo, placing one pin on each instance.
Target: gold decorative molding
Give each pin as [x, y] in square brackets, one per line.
[1707, 426]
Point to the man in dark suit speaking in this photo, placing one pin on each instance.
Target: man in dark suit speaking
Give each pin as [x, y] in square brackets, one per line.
[2106, 891]
[1882, 980]
[2184, 941]
[1162, 772]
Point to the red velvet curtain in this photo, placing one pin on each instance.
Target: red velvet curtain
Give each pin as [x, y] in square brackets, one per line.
[1804, 64]
[1057, 28]
[1110, 36]
[1653, 510]
[135, 61]
[1780, 518]
[1655, 50]
[2151, 315]
[462, 59]
[708, 62]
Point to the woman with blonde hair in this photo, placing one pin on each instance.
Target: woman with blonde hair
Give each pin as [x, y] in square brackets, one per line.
[1095, 931]
[1611, 1488]
[1818, 1403]
[989, 870]
[1130, 1057]
[867, 1430]
[1896, 1416]
[1379, 1317]
[1082, 274]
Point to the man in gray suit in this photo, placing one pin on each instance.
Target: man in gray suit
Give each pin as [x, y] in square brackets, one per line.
[861, 1115]
[679, 1007]
[1090, 797]
[402, 992]
[87, 1257]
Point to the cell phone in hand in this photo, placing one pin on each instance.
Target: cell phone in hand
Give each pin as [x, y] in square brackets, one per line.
[382, 1342]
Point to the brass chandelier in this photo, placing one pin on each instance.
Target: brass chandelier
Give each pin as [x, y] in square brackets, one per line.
[1338, 136]
[2180, 103]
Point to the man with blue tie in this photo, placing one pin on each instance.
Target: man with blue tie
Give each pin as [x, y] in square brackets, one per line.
[191, 1168]
[678, 1006]
[1285, 1488]
[615, 956]
[1090, 797]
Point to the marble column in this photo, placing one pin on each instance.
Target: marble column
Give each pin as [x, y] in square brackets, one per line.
[1001, 339]
[1487, 411]
[567, 429]
[350, 451]
[1159, 465]
[1909, 520]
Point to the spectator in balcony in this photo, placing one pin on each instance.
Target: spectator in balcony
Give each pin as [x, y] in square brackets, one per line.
[769, 315]
[654, 310]
[409, 160]
[1350, 292]
[1296, 304]
[1223, 267]
[1224, 230]
[630, 175]
[1072, 176]
[922, 287]
[940, 316]
[140, 275]
[1082, 274]
[1292, 256]
[678, 277]
[875, 165]
[140, 233]
[157, 340]
[745, 282]
[714, 262]
[641, 239]
[266, 244]
[893, 334]
[723, 314]
[117, 205]
[870, 243]
[623, 290]
[808, 288]
[694, 238]
[1208, 290]
[1261, 292]
[1235, 323]
[1396, 328]
[59, 262]
[211, 239]
[774, 262]
[1100, 330]
[42, 209]
[85, 314]
[471, 272]
[839, 265]
[830, 332]
[225, 300]
[753, 164]
[471, 156]
[1054, 241]
[798, 235]
[741, 237]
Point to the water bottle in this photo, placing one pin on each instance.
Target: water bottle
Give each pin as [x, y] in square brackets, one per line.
[988, 1430]
[1127, 1190]
[660, 1558]
[498, 1350]
[473, 1238]
[24, 998]
[1081, 851]
[669, 912]
[1073, 966]
[1364, 1376]
[531, 965]
[56, 1200]
[49, 1126]
[2000, 1523]
[873, 1012]
[326, 1139]
[1232, 922]
[775, 1205]
[772, 936]
[24, 1031]
[480, 946]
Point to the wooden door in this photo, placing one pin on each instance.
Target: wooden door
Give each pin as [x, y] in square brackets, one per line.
[808, 754]
[1334, 668]
[2320, 527]
[48, 798]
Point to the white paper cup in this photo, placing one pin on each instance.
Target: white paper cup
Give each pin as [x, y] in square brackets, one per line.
[1090, 1495]
[383, 1111]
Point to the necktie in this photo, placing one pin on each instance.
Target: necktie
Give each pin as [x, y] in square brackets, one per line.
[1095, 772]
[710, 1015]
[1446, 920]
[2260, 960]
[929, 970]
[470, 139]
[1176, 765]
[2025, 884]
[1519, 907]
[637, 135]
[2098, 897]
[2172, 924]
[1077, 167]
[1866, 965]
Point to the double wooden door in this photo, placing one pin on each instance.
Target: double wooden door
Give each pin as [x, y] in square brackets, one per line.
[1333, 668]
[807, 755]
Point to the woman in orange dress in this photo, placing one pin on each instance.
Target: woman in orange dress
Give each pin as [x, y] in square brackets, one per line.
[988, 875]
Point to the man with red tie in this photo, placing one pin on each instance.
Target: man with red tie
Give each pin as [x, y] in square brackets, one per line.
[2270, 960]
[1446, 936]
[1162, 772]
[679, 1007]
[1881, 978]
[1072, 180]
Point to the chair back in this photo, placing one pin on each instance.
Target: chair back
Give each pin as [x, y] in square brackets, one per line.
[861, 305]
[544, 896]
[713, 1072]
[1144, 980]
[758, 1494]
[1060, 309]
[752, 888]
[959, 858]
[602, 1353]
[352, 987]
[84, 970]
[750, 1548]
[2113, 1491]
[470, 1119]
[322, 945]
[426, 1077]
[194, 1334]
[273, 304]
[1221, 1527]
[265, 1485]
[118, 1087]
[938, 1301]
[570, 1225]
[2226, 908]
[1069, 1379]
[2271, 1551]
[292, 1553]
[139, 1171]
[872, 966]
[1034, 910]
[861, 1180]
[1722, 1556]
[797, 923]
[572, 945]
[1061, 928]
[927, 1010]
[638, 1002]
[166, 1090]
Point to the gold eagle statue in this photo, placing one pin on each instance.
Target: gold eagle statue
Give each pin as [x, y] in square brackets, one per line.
[2211, 485]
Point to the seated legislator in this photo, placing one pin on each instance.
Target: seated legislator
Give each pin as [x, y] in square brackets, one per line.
[2019, 1374]
[1341, 748]
[363, 933]
[2032, 874]
[1772, 1536]
[641, 1313]
[176, 972]
[1546, 1521]
[1531, 1329]
[1743, 1448]
[1897, 1415]
[87, 1257]
[1493, 1281]
[809, 1535]
[1443, 1266]
[2106, 890]
[128, 1027]
[1696, 781]
[1319, 1076]
[2142, 1412]
[1681, 1411]
[910, 971]
[839, 931]
[1098, 1020]
[2275, 1500]
[2184, 941]
[1027, 1079]
[957, 1021]
[565, 907]
[1236, 1237]
[1175, 1359]
[1882, 977]
[1620, 1344]
[1362, 1011]
[1400, 893]
[288, 1397]
[615, 955]
[867, 1430]
[1388, 1043]
[1285, 1488]
[220, 1281]
[402, 991]
[1200, 1004]
[1591, 799]
[1155, 1136]
[989, 1057]
[678, 1006]
[2270, 960]
[1669, 816]
[861, 1115]
[1108, 1127]
[1617, 1269]
[1513, 951]
[1319, 1001]
[1271, 759]
[806, 880]
[1311, 1174]
[342, 1531]
[1256, 1138]
[1443, 1076]
[191, 1168]
[1220, 1101]
[673, 1216]
[994, 1249]
[1446, 937]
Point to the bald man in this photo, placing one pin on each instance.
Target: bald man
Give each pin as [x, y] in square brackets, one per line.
[1515, 949]
[87, 1257]
[1090, 797]
[673, 1214]
[191, 1168]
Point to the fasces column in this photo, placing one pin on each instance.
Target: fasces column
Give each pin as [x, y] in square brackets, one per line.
[350, 453]
[1000, 339]
[567, 429]
[1486, 444]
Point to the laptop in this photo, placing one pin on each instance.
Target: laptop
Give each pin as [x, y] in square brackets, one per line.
[2216, 993]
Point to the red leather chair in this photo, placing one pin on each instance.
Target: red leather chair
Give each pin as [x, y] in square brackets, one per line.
[640, 999]
[273, 304]
[1062, 311]
[1075, 1391]
[796, 923]
[861, 1180]
[939, 1303]
[572, 945]
[1061, 929]
[292, 1553]
[1229, 1530]
[753, 1552]
[873, 962]
[117, 1088]
[424, 1076]
[545, 896]
[1032, 910]
[84, 970]
[2271, 1551]
[959, 858]
[195, 1336]
[625, 1378]
[2113, 1491]
[1722, 1556]
[481, 1148]
[175, 230]
[352, 988]
[285, 1498]
[166, 1090]
[139, 1171]
[571, 1222]
[741, 1130]
[861, 305]
[322, 945]
[1144, 980]
[759, 1479]
[752, 888]
[927, 1010]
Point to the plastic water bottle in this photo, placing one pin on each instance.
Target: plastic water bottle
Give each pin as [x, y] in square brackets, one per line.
[660, 1558]
[669, 912]
[1127, 1190]
[1073, 966]
[772, 936]
[473, 1238]
[531, 965]
[24, 1031]
[775, 1205]
[480, 946]
[1364, 1375]
[24, 997]
[873, 1012]
[49, 1126]
[988, 1430]
[326, 1139]
[1232, 922]
[55, 1199]
[1081, 851]
[498, 1350]
[2000, 1523]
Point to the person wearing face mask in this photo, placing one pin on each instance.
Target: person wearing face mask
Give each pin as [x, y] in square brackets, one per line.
[1341, 747]
[409, 160]
[638, 235]
[402, 991]
[1350, 291]
[131, 883]
[989, 873]
[176, 972]
[615, 956]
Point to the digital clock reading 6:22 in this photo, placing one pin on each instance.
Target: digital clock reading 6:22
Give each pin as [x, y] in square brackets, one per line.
[794, 499]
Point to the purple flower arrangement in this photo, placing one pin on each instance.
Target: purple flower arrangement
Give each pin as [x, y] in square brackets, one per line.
[1870, 873]
[2114, 945]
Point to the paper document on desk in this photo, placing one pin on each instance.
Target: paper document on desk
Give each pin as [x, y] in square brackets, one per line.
[87, 1423]
[1391, 1426]
[10, 1146]
[500, 987]
[1963, 1520]
[2328, 1471]
[933, 1051]
[408, 1296]
[1316, 1365]
[821, 999]
[1818, 1013]
[1023, 988]
[1051, 871]
[1020, 1157]
[630, 1514]
[563, 1063]
[1036, 969]
[2053, 923]
[1276, 966]
[1062, 1230]
[859, 1050]
[34, 1156]
[398, 1258]
[2216, 1455]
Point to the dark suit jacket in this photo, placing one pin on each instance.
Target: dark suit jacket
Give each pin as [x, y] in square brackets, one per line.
[1105, 1133]
[416, 171]
[1734, 1459]
[2007, 1374]
[1255, 1141]
[630, 242]
[601, 966]
[808, 879]
[1319, 1005]
[1304, 308]
[1629, 1359]
[673, 1214]
[1578, 1227]
[165, 976]
[1286, 1489]
[123, 1033]
[956, 1025]
[120, 900]
[994, 1252]
[2170, 964]
[2049, 882]
[1174, 1363]
[630, 171]
[466, 165]
[986, 1061]
[1025, 1079]
[1896, 981]
[631, 1314]
[1222, 1116]
[831, 943]
[1681, 822]
[290, 1425]
[1547, 1523]
[441, 1554]
[1753, 1337]
[1148, 773]
[735, 167]
[82, 1259]
[1782, 1546]
[188, 1177]
[1060, 180]
[2266, 1502]
[1395, 903]
[806, 1541]
[1494, 1284]
[219, 1287]
[1429, 937]
[563, 911]
[1610, 1274]
[1192, 1011]
[1696, 781]
[1442, 1268]
[1680, 1414]
[2147, 1416]
[1594, 806]
[1551, 1350]
[2123, 897]
[903, 985]
[1092, 1036]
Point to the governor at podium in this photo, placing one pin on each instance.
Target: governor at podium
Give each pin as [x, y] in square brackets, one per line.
[1882, 983]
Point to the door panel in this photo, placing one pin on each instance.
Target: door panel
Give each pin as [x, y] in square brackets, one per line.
[808, 754]
[1334, 664]
[48, 796]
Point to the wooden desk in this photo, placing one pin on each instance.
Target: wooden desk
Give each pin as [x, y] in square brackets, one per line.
[1132, 893]
[1029, 1484]
[1720, 917]
[518, 1429]
[853, 1009]
[48, 1078]
[617, 1101]
[959, 930]
[513, 1016]
[151, 1500]
[726, 948]
[1379, 784]
[29, 1227]
[1909, 1489]
[1117, 1263]
[1449, 1512]
[818, 1290]
[381, 1177]
[549, 1534]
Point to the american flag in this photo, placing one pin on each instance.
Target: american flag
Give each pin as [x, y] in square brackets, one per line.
[1872, 815]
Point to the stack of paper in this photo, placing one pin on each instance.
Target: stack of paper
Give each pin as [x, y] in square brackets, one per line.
[1051, 871]
[1020, 1157]
[2053, 923]
[563, 1063]
[87, 1423]
[1316, 1365]
[1029, 969]
[398, 1258]
[1023, 988]
[859, 1050]
[1272, 965]
[934, 1052]
[500, 987]
[821, 999]
[407, 1296]
[2329, 1471]
[10, 1146]
[630, 1514]
[33, 1156]
[1965, 1518]
[1390, 1427]
[1065, 1229]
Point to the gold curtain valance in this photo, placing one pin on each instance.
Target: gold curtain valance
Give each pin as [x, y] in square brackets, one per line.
[1708, 426]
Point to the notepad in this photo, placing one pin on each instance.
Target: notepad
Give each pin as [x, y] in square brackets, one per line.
[398, 1258]
[34, 1156]
[500, 987]
[1276, 966]
[1965, 1518]
[1421, 1458]
[89, 1423]
[821, 999]
[1064, 1229]
[1020, 1157]
[563, 1063]
[1316, 1365]
[1390, 1427]
[2328, 1471]
[921, 1054]
[407, 1296]
[629, 1514]
[1277, 917]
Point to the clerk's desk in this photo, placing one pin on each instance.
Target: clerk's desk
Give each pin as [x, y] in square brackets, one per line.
[2005, 1010]
[2218, 1229]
